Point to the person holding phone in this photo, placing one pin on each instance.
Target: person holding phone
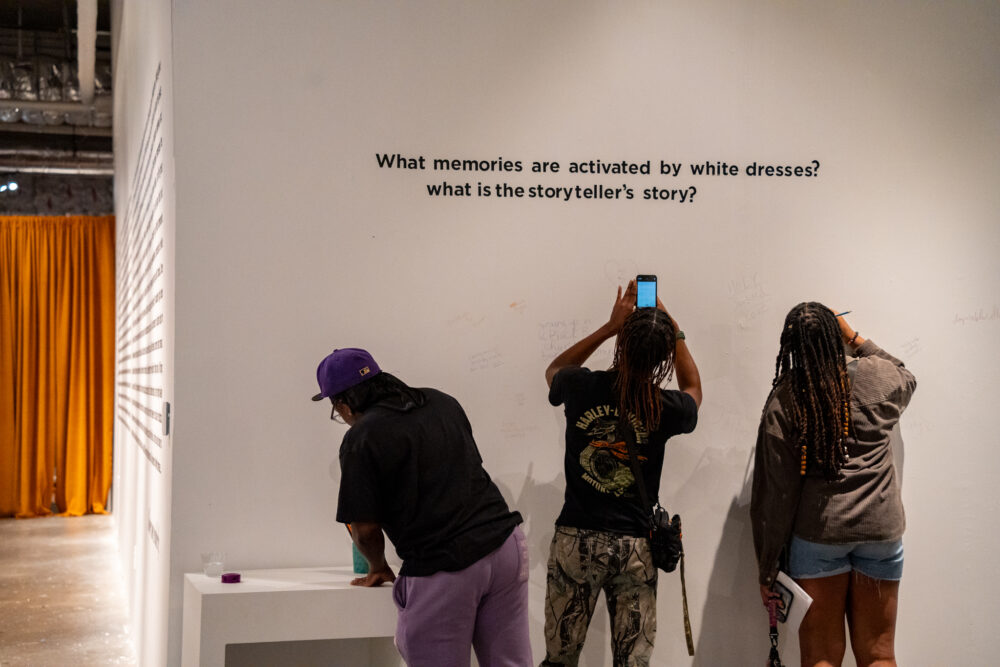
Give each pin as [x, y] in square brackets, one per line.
[410, 467]
[601, 539]
[826, 497]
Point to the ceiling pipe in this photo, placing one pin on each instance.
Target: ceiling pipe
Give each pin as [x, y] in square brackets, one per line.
[75, 130]
[86, 43]
[56, 154]
[20, 31]
[67, 168]
[102, 103]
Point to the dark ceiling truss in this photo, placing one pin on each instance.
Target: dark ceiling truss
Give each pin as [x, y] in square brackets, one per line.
[55, 87]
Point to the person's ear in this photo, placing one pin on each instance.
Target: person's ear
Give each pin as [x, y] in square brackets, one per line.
[348, 415]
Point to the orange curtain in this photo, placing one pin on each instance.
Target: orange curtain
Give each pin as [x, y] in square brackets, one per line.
[57, 329]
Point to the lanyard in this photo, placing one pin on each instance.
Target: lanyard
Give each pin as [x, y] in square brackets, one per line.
[773, 659]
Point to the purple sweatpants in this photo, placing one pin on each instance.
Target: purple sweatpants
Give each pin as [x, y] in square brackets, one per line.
[484, 606]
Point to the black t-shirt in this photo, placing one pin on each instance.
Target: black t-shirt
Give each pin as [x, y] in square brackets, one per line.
[601, 493]
[417, 472]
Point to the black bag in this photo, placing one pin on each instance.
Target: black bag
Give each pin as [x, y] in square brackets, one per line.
[665, 539]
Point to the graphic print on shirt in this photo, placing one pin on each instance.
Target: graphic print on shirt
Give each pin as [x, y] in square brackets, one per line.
[605, 459]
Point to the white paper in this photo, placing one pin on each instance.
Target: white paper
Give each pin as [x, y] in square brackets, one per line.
[796, 600]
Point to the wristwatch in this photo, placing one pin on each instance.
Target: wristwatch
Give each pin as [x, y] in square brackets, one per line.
[681, 336]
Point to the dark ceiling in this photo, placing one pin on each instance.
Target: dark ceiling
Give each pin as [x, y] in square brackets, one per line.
[48, 15]
[39, 36]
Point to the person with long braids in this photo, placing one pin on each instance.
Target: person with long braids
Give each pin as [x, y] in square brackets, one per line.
[826, 501]
[601, 539]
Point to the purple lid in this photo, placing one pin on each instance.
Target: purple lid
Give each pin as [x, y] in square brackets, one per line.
[231, 578]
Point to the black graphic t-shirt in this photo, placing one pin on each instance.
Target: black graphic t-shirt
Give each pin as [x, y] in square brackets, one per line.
[601, 493]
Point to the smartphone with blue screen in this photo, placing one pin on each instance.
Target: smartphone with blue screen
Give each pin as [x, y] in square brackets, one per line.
[646, 295]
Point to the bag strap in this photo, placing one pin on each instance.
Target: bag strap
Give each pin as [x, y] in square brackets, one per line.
[687, 618]
[633, 459]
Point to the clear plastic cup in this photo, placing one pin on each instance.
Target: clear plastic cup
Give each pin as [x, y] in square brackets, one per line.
[213, 562]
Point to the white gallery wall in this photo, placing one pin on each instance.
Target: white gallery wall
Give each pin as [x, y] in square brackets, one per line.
[292, 238]
[144, 167]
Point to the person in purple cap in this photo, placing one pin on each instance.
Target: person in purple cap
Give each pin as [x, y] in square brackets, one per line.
[410, 467]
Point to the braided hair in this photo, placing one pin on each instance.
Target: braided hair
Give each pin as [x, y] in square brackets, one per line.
[811, 360]
[644, 358]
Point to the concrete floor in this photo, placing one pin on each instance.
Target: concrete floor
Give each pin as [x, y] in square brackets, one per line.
[62, 597]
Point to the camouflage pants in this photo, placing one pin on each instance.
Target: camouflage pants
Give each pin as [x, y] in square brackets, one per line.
[582, 563]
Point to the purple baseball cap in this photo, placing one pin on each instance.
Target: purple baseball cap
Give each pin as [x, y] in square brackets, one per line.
[342, 369]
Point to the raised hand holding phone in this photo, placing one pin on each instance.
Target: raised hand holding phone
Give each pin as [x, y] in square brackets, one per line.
[623, 307]
[577, 353]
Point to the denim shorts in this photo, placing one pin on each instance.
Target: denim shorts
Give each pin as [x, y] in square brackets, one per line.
[877, 560]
